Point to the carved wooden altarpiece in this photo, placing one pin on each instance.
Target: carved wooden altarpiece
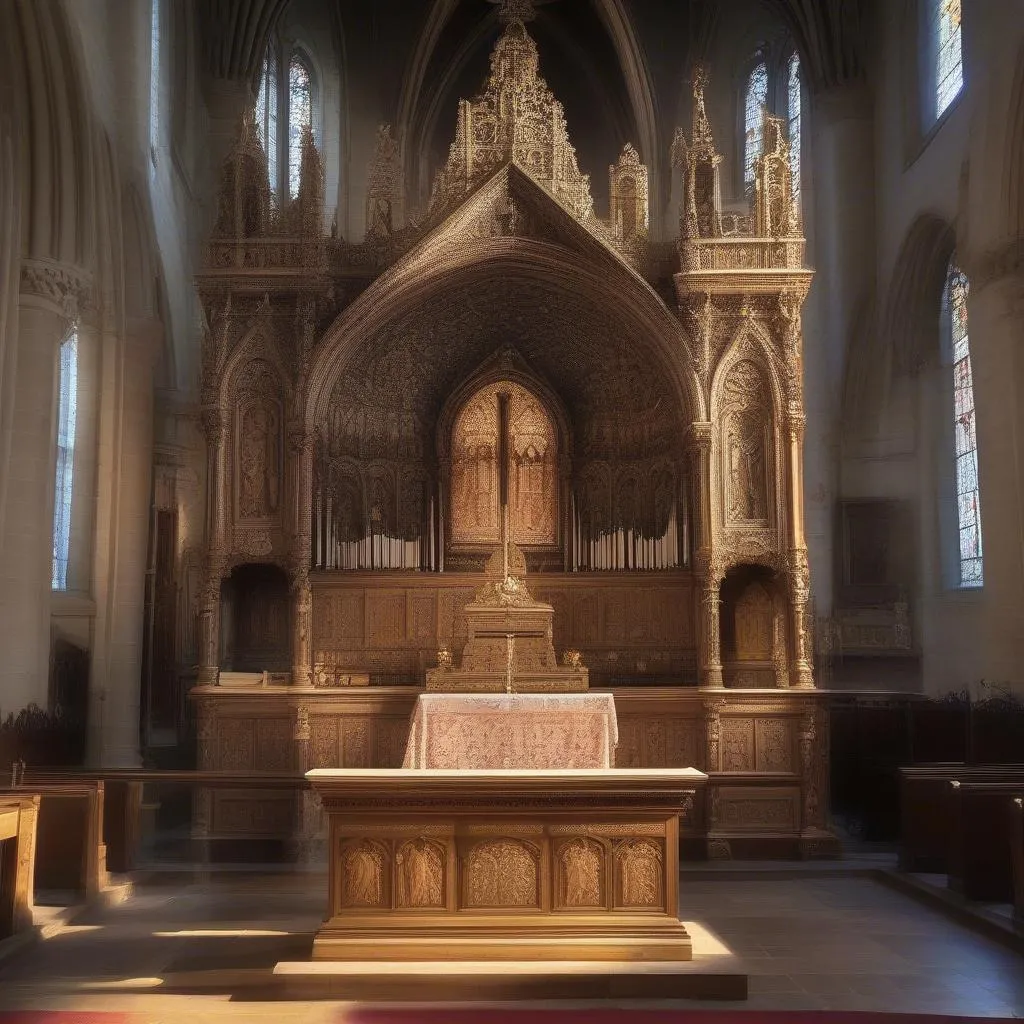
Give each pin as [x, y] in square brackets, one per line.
[347, 400]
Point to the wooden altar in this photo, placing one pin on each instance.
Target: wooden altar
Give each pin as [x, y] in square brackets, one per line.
[562, 865]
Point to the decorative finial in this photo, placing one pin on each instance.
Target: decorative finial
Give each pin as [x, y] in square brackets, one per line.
[701, 136]
[516, 10]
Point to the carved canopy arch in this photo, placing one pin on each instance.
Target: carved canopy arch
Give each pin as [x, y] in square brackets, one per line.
[747, 463]
[600, 283]
[258, 342]
[751, 340]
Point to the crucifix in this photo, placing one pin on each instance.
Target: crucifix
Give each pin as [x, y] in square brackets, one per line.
[503, 460]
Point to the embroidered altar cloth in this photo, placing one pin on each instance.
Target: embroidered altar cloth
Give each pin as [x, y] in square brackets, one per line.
[520, 730]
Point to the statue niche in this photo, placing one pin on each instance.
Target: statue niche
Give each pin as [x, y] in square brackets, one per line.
[532, 454]
[259, 459]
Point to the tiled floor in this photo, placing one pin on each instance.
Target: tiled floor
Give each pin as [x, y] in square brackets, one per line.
[819, 942]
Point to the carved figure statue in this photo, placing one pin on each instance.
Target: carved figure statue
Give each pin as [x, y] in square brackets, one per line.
[420, 875]
[747, 497]
[581, 865]
[363, 886]
[640, 868]
[260, 460]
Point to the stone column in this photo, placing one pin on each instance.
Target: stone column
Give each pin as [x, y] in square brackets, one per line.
[48, 306]
[301, 599]
[799, 571]
[996, 307]
[301, 594]
[215, 427]
[710, 633]
[841, 187]
[708, 629]
[123, 529]
[10, 273]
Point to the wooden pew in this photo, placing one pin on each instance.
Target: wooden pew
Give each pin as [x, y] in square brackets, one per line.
[980, 859]
[18, 820]
[1017, 855]
[924, 809]
[125, 792]
[70, 854]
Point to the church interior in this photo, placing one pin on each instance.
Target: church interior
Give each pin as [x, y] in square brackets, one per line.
[436, 572]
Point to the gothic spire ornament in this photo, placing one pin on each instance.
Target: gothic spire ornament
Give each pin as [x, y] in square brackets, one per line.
[516, 10]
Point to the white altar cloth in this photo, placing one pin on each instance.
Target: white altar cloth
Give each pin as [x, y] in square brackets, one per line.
[521, 730]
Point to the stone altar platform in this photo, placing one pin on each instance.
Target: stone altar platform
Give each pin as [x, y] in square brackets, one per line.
[548, 866]
[520, 730]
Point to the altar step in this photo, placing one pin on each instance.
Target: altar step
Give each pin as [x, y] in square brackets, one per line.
[704, 977]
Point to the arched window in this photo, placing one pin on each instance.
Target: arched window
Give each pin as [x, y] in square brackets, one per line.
[968, 500]
[67, 415]
[755, 101]
[793, 106]
[266, 111]
[285, 105]
[946, 57]
[300, 116]
[154, 77]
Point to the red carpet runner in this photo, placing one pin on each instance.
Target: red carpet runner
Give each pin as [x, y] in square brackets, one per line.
[610, 1015]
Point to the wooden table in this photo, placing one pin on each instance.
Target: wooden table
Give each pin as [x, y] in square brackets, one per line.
[572, 865]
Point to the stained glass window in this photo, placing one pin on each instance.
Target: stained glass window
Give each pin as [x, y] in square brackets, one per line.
[968, 500]
[300, 116]
[154, 76]
[947, 54]
[67, 415]
[753, 119]
[793, 119]
[266, 112]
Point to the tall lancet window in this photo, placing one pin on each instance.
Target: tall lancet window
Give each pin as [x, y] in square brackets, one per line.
[793, 107]
[300, 116]
[946, 53]
[66, 421]
[968, 500]
[154, 77]
[755, 101]
[266, 112]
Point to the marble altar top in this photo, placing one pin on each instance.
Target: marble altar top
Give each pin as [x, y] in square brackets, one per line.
[545, 775]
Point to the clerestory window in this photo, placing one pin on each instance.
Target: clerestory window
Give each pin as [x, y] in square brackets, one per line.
[755, 103]
[965, 452]
[285, 107]
[66, 424]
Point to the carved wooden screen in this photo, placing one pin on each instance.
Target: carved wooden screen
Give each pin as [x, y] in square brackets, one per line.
[475, 515]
